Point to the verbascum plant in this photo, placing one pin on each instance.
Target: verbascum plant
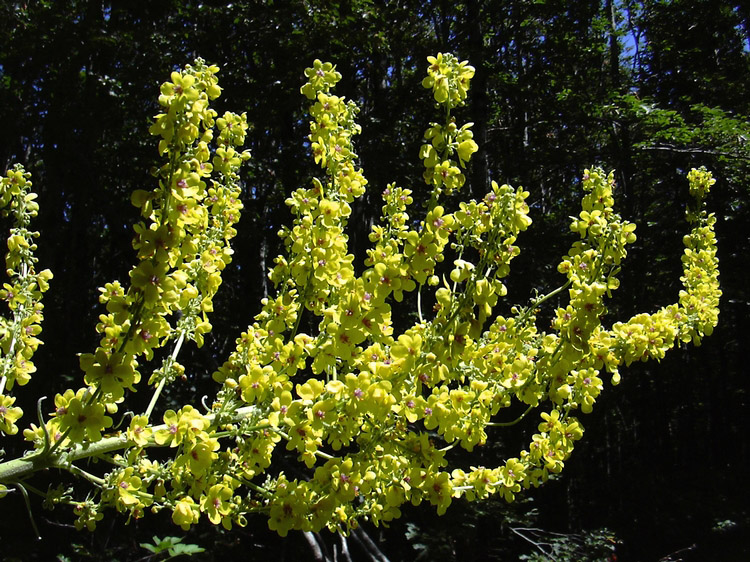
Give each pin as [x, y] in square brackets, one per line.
[368, 413]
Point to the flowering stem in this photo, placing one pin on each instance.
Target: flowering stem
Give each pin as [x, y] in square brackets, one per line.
[253, 486]
[537, 303]
[419, 304]
[73, 469]
[163, 381]
[56, 444]
[15, 470]
[510, 423]
[18, 317]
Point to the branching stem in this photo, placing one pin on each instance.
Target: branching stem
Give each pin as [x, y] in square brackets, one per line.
[510, 423]
[163, 381]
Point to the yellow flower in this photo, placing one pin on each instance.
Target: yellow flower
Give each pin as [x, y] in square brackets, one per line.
[181, 90]
[216, 503]
[185, 513]
[111, 372]
[128, 486]
[151, 279]
[9, 414]
[83, 420]
[139, 431]
[199, 456]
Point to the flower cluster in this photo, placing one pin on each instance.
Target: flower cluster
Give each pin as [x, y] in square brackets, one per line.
[23, 294]
[448, 79]
[182, 246]
[321, 375]
[447, 142]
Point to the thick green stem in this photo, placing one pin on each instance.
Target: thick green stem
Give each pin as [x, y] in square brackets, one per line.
[17, 469]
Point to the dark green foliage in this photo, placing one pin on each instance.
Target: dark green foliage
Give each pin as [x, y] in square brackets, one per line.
[173, 546]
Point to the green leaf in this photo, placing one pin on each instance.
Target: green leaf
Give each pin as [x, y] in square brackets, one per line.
[187, 549]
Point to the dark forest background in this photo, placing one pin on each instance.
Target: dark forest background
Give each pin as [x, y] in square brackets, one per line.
[647, 88]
